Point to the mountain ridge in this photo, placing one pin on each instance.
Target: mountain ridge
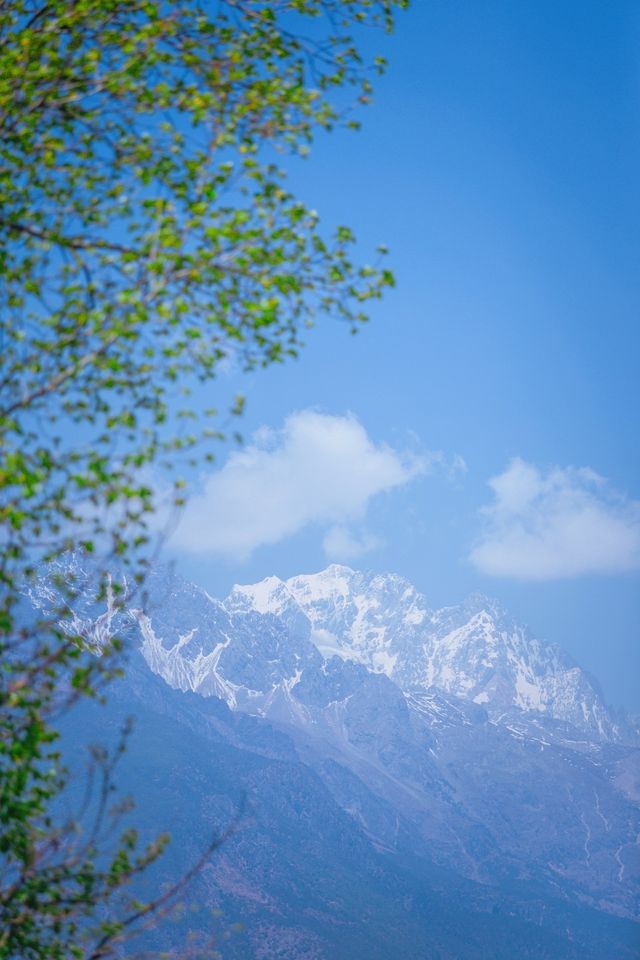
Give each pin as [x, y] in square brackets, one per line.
[475, 650]
[382, 698]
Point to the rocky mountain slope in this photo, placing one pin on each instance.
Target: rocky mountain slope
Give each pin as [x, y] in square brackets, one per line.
[450, 740]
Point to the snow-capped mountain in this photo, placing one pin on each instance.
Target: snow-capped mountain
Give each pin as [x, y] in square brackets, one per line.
[263, 634]
[451, 735]
[475, 650]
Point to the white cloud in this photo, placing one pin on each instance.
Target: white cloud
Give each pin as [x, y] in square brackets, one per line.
[563, 523]
[451, 467]
[318, 468]
[343, 545]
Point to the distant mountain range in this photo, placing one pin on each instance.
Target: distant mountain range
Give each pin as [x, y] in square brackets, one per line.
[423, 783]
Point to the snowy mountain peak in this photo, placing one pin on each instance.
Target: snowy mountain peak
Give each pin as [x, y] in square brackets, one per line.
[338, 570]
[475, 650]
[480, 603]
[335, 582]
[266, 596]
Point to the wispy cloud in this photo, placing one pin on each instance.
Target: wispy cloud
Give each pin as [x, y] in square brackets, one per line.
[317, 469]
[561, 523]
[344, 544]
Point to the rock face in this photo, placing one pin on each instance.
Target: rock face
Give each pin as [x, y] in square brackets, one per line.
[451, 739]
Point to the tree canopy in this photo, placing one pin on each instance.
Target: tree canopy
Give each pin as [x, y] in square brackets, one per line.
[146, 235]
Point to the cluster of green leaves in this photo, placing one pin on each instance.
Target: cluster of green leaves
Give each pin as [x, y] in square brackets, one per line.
[146, 236]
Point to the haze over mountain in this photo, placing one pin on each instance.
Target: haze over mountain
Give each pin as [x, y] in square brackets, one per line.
[432, 757]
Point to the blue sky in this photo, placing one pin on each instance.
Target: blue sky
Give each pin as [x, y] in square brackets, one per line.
[499, 162]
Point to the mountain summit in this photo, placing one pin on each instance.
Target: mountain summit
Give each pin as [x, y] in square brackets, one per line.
[475, 650]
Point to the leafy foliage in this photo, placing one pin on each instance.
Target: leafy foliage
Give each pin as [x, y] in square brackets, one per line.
[146, 236]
